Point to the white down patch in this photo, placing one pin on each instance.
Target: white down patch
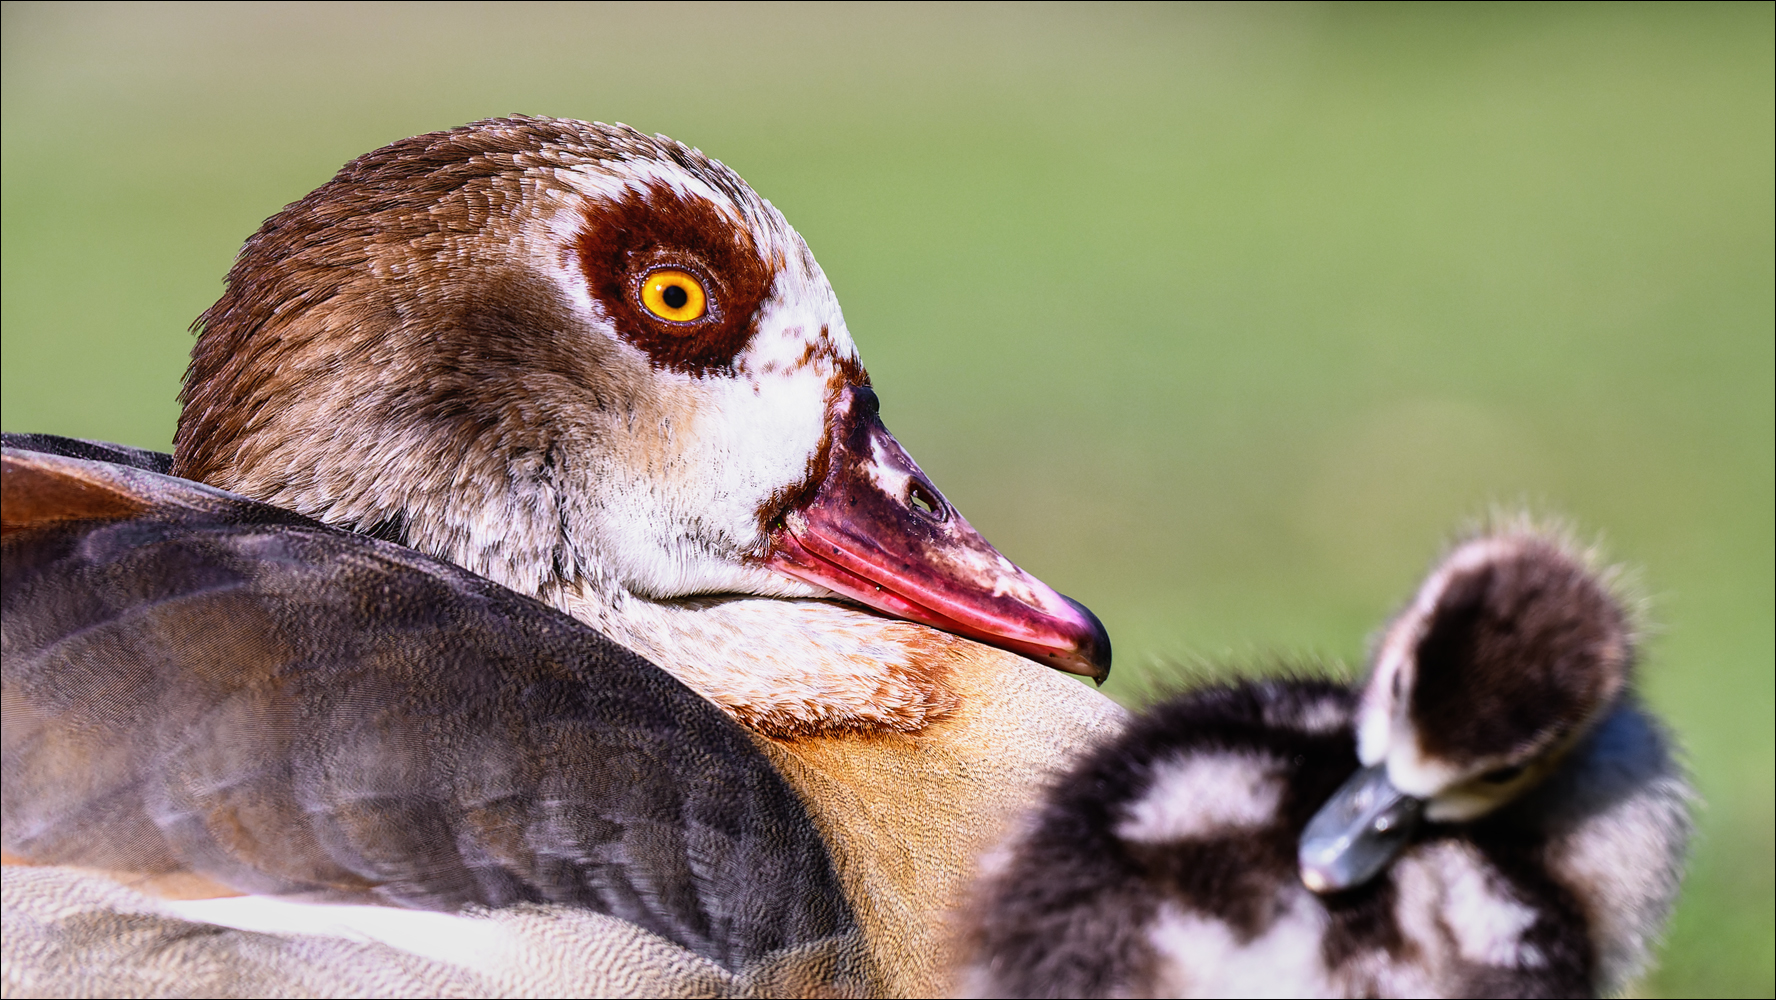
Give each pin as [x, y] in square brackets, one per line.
[1322, 715]
[1201, 957]
[1625, 865]
[1199, 796]
[1450, 896]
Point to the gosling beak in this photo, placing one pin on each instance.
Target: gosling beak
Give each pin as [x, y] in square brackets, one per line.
[1357, 832]
[878, 532]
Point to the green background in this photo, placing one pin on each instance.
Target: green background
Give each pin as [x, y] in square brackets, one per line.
[1220, 319]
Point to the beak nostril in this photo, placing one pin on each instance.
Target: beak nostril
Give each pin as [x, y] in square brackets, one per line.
[925, 501]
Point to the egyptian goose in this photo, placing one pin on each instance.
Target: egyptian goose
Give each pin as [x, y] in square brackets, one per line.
[1491, 814]
[594, 368]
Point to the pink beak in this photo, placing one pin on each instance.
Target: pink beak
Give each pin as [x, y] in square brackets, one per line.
[877, 531]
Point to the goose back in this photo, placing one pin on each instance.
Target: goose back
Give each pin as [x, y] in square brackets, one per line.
[232, 691]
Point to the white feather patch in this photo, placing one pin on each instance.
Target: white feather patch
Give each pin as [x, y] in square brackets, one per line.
[1450, 899]
[1626, 865]
[1322, 715]
[1201, 957]
[442, 937]
[1204, 796]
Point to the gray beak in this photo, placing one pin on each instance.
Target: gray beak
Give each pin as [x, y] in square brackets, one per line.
[1357, 832]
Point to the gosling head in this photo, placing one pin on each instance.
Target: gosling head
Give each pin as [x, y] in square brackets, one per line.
[1510, 652]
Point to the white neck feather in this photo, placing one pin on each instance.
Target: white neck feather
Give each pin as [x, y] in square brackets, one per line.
[784, 668]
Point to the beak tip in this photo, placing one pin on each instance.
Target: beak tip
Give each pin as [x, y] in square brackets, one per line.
[1315, 880]
[1094, 646]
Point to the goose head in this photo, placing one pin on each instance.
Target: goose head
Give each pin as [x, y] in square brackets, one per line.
[594, 366]
[1510, 653]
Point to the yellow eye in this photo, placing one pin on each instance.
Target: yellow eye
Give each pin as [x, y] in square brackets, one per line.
[674, 295]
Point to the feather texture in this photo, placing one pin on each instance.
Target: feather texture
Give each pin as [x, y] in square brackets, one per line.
[226, 688]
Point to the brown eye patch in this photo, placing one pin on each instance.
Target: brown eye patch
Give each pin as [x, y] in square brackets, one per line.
[657, 228]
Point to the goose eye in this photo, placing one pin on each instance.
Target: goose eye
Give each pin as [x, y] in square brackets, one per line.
[674, 295]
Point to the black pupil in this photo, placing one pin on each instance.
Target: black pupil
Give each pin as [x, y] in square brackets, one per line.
[675, 296]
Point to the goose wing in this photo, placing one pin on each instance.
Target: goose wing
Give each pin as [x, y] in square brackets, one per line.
[195, 682]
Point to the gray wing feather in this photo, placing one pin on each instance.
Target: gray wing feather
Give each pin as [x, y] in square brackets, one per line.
[223, 687]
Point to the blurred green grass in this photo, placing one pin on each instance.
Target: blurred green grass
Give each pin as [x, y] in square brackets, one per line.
[1220, 319]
